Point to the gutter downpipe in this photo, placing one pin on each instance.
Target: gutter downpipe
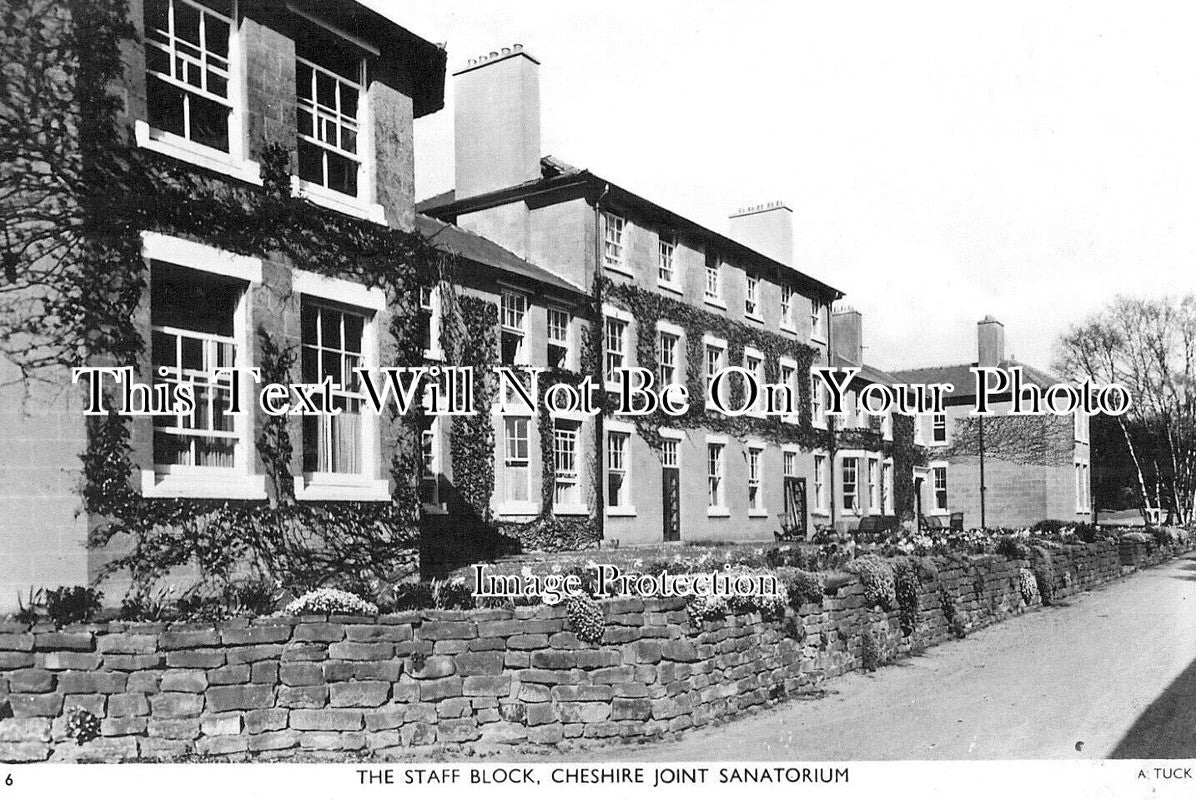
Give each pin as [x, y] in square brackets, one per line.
[599, 418]
[830, 418]
[983, 488]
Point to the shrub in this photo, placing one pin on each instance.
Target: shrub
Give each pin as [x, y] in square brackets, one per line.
[947, 603]
[1013, 549]
[1044, 575]
[876, 576]
[958, 628]
[795, 629]
[330, 601]
[246, 598]
[1049, 526]
[584, 617]
[1028, 584]
[68, 604]
[81, 725]
[27, 610]
[905, 578]
[148, 605]
[804, 587]
[869, 652]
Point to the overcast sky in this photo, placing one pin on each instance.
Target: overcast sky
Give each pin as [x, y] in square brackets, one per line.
[943, 161]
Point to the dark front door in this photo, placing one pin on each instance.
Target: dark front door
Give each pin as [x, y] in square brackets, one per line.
[672, 504]
[795, 508]
[918, 502]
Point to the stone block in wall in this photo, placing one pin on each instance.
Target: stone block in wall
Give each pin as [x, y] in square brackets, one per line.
[359, 694]
[551, 733]
[550, 659]
[251, 653]
[69, 660]
[187, 729]
[79, 682]
[440, 688]
[361, 651]
[584, 712]
[304, 651]
[318, 632]
[59, 640]
[362, 670]
[35, 705]
[32, 729]
[187, 638]
[431, 667]
[487, 685]
[128, 643]
[303, 696]
[23, 752]
[194, 659]
[453, 708]
[133, 663]
[485, 663]
[626, 708]
[417, 733]
[385, 718]
[301, 673]
[241, 697]
[184, 680]
[123, 726]
[226, 724]
[222, 745]
[30, 680]
[228, 675]
[327, 719]
[273, 740]
[528, 641]
[433, 631]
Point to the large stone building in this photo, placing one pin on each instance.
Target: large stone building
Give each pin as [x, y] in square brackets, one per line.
[682, 301]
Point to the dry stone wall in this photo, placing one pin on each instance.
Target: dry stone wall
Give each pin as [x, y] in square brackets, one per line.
[295, 687]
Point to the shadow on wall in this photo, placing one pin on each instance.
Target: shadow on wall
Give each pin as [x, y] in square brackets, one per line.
[1167, 729]
[459, 538]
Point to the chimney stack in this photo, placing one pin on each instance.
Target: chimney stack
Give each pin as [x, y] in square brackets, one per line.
[990, 338]
[497, 120]
[766, 228]
[847, 335]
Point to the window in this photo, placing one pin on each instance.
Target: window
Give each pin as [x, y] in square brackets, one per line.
[751, 298]
[788, 372]
[615, 348]
[515, 459]
[939, 429]
[668, 453]
[1083, 489]
[820, 476]
[874, 489]
[716, 359]
[616, 470]
[667, 346]
[514, 328]
[332, 339]
[886, 488]
[818, 320]
[188, 70]
[329, 76]
[787, 308]
[755, 495]
[558, 338]
[886, 426]
[715, 474]
[714, 279]
[851, 486]
[192, 327]
[817, 406]
[789, 464]
[429, 321]
[753, 362]
[666, 268]
[564, 458]
[939, 475]
[429, 485]
[612, 240]
[1081, 426]
[919, 433]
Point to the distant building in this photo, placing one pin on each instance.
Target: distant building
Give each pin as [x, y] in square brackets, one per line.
[1034, 467]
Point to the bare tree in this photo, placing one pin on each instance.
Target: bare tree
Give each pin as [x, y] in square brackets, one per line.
[1149, 347]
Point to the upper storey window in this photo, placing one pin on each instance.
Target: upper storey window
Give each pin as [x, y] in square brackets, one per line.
[329, 77]
[188, 70]
[613, 252]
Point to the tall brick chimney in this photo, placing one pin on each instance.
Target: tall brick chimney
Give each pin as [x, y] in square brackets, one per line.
[847, 335]
[990, 339]
[766, 228]
[497, 120]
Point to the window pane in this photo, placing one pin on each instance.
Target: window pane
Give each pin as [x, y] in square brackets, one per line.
[216, 35]
[209, 123]
[311, 164]
[186, 23]
[342, 174]
[164, 105]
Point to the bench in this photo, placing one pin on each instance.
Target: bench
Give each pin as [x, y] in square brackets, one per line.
[953, 523]
[876, 523]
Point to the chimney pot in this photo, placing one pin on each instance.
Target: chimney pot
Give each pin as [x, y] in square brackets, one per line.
[990, 342]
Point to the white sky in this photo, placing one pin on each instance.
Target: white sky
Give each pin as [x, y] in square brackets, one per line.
[944, 160]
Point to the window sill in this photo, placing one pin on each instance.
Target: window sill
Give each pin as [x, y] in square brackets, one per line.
[620, 269]
[620, 511]
[821, 512]
[362, 491]
[435, 354]
[759, 513]
[432, 510]
[571, 511]
[787, 329]
[816, 339]
[754, 318]
[717, 302]
[168, 144]
[518, 508]
[718, 512]
[223, 485]
[670, 287]
[321, 196]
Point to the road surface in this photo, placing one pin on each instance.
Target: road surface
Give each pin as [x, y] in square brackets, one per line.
[1109, 674]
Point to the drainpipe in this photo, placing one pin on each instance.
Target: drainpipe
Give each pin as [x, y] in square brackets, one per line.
[831, 419]
[599, 419]
[983, 488]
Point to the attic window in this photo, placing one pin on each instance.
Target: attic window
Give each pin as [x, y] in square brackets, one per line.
[329, 78]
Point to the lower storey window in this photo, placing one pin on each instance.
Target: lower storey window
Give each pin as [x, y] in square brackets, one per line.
[755, 494]
[429, 485]
[939, 475]
[851, 485]
[192, 323]
[515, 458]
[715, 475]
[564, 454]
[820, 476]
[616, 470]
[332, 349]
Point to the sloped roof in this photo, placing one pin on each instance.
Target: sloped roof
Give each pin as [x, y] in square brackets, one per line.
[463, 243]
[558, 174]
[960, 376]
[868, 373]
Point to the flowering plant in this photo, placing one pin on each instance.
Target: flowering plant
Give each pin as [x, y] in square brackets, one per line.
[330, 601]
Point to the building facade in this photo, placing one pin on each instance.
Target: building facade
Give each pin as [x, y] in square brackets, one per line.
[1002, 470]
